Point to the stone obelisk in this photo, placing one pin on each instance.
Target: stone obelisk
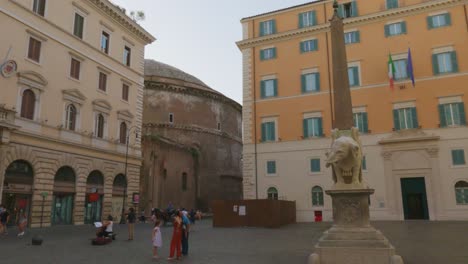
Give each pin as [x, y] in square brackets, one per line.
[351, 239]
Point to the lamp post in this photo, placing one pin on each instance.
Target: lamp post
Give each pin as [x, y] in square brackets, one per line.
[122, 218]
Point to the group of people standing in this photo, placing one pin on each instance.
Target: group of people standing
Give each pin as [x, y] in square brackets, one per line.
[5, 218]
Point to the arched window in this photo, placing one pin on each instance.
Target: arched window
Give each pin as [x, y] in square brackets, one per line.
[123, 133]
[317, 196]
[461, 192]
[184, 181]
[28, 103]
[71, 117]
[272, 193]
[20, 172]
[100, 126]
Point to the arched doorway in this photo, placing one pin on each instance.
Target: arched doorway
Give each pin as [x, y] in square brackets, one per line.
[64, 193]
[94, 196]
[17, 191]
[118, 193]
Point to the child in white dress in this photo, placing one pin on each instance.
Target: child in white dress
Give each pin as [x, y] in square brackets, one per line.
[156, 238]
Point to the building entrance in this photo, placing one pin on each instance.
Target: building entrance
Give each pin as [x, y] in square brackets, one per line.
[413, 191]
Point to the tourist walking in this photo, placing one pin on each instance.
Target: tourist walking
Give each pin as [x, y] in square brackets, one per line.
[176, 236]
[4, 218]
[22, 222]
[185, 232]
[131, 217]
[156, 238]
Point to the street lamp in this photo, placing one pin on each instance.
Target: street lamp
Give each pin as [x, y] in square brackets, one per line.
[122, 218]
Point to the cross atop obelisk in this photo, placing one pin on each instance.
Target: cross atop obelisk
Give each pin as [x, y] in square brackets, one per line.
[342, 105]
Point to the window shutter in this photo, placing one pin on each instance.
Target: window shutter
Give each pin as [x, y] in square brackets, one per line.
[364, 163]
[303, 83]
[262, 29]
[435, 64]
[262, 89]
[305, 128]
[396, 119]
[414, 115]
[341, 10]
[356, 76]
[273, 26]
[443, 121]
[453, 57]
[387, 30]
[461, 109]
[301, 20]
[275, 87]
[320, 128]
[315, 165]
[365, 128]
[357, 36]
[272, 131]
[354, 10]
[274, 52]
[314, 18]
[448, 19]
[430, 24]
[317, 82]
[403, 27]
[315, 44]
[302, 48]
[263, 132]
[273, 167]
[262, 54]
[320, 198]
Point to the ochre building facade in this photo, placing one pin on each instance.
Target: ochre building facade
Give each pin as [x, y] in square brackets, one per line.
[414, 137]
[71, 97]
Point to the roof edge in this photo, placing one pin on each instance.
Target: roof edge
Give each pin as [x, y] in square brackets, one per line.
[283, 9]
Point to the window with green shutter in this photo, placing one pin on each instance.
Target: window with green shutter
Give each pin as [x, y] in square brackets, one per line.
[452, 114]
[364, 163]
[461, 192]
[267, 27]
[307, 19]
[348, 9]
[352, 37]
[310, 82]
[312, 127]
[361, 122]
[315, 165]
[268, 131]
[395, 29]
[271, 167]
[392, 4]
[458, 157]
[437, 21]
[405, 118]
[353, 75]
[268, 88]
[317, 196]
[309, 45]
[272, 193]
[78, 26]
[401, 69]
[445, 62]
[268, 54]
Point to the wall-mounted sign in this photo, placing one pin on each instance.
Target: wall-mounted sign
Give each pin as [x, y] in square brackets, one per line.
[136, 198]
[8, 68]
[242, 210]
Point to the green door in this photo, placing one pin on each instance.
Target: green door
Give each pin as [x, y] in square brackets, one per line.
[62, 209]
[413, 191]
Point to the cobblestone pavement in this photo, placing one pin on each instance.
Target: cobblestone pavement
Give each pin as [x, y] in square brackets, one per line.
[419, 242]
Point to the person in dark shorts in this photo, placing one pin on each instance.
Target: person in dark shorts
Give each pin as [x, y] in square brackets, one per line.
[131, 217]
[4, 218]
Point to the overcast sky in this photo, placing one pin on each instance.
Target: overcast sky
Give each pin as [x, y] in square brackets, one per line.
[199, 37]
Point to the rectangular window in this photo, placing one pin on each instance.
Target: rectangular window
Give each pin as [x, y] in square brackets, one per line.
[452, 114]
[125, 90]
[392, 4]
[271, 167]
[102, 81]
[105, 39]
[78, 26]
[268, 88]
[34, 52]
[458, 157]
[360, 121]
[267, 27]
[353, 75]
[309, 45]
[75, 69]
[405, 118]
[39, 7]
[364, 163]
[315, 165]
[349, 9]
[352, 37]
[267, 54]
[445, 62]
[310, 82]
[171, 118]
[395, 29]
[127, 56]
[268, 131]
[312, 127]
[307, 19]
[437, 21]
[401, 71]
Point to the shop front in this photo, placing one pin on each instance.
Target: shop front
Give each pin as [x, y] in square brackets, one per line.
[63, 199]
[118, 193]
[94, 197]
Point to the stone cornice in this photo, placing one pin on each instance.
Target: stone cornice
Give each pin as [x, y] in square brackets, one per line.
[397, 12]
[121, 18]
[191, 91]
[149, 126]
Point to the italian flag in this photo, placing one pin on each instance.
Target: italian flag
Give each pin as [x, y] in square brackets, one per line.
[391, 71]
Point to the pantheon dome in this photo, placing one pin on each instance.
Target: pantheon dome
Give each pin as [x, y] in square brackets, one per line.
[192, 141]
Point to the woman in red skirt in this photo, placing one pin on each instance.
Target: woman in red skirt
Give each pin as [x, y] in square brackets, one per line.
[176, 236]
